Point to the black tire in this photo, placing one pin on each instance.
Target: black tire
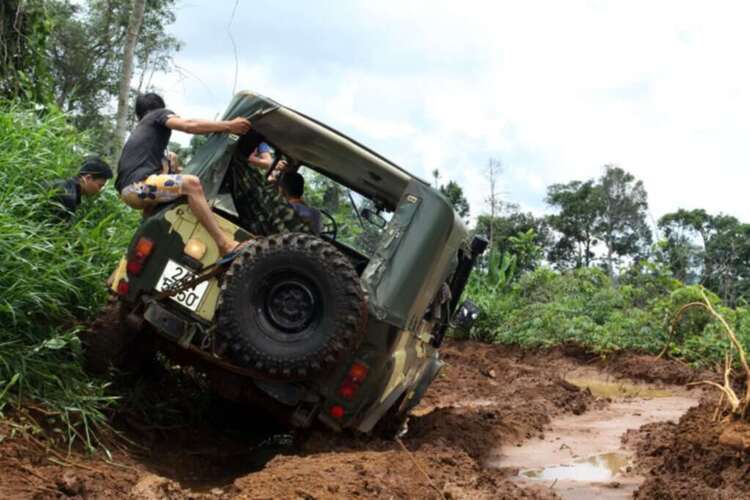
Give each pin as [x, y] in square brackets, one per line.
[291, 305]
[108, 342]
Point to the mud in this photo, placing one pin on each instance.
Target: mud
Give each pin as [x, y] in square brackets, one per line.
[692, 458]
[487, 398]
[581, 456]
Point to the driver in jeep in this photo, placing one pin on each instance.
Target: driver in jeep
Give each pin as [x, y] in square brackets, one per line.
[140, 182]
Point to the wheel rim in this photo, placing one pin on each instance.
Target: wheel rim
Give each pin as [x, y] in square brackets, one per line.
[291, 303]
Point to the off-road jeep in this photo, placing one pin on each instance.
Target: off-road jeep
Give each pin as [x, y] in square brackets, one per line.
[343, 327]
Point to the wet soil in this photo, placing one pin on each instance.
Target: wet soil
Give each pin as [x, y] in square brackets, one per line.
[581, 456]
[488, 398]
[694, 458]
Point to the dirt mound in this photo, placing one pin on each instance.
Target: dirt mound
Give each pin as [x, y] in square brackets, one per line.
[687, 460]
[650, 369]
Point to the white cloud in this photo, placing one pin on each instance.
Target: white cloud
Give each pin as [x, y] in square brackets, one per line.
[554, 89]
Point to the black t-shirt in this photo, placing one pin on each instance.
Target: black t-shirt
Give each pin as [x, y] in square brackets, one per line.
[68, 194]
[143, 152]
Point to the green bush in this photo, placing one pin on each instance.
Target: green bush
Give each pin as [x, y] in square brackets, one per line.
[54, 272]
[546, 308]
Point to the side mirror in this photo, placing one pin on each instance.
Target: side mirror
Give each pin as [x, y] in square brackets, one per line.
[466, 315]
[373, 218]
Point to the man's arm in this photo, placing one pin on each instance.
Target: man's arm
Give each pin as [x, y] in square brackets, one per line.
[263, 161]
[238, 126]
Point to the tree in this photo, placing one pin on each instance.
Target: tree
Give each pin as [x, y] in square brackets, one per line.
[494, 169]
[24, 37]
[455, 195]
[436, 176]
[509, 223]
[685, 236]
[622, 225]
[611, 210]
[85, 56]
[579, 207]
[134, 27]
[711, 249]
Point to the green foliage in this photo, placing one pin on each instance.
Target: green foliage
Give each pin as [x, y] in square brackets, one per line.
[24, 33]
[85, 54]
[578, 207]
[501, 271]
[611, 210]
[545, 308]
[54, 272]
[709, 249]
[455, 195]
[509, 224]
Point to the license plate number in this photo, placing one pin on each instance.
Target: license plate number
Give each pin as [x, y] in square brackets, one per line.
[174, 272]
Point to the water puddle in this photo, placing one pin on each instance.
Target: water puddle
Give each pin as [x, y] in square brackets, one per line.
[599, 468]
[581, 456]
[618, 389]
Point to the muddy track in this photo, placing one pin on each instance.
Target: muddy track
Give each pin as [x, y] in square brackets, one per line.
[487, 397]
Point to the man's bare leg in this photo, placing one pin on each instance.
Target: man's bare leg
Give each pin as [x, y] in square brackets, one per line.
[191, 187]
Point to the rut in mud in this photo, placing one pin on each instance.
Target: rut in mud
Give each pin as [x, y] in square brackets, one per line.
[488, 399]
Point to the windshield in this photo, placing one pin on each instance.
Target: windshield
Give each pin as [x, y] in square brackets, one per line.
[358, 222]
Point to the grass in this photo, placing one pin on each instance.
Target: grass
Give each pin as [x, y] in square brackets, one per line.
[545, 308]
[53, 275]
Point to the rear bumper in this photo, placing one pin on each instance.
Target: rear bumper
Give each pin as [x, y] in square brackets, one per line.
[299, 401]
[170, 324]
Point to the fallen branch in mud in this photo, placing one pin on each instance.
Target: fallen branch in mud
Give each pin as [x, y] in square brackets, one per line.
[738, 406]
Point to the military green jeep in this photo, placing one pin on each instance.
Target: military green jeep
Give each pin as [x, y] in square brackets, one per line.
[341, 327]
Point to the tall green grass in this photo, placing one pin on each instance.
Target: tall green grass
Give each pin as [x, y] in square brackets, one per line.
[53, 272]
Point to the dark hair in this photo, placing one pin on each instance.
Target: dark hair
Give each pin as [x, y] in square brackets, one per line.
[293, 184]
[147, 102]
[95, 167]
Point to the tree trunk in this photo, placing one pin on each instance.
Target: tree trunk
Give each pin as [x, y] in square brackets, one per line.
[134, 27]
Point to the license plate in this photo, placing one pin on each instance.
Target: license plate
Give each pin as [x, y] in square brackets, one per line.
[174, 272]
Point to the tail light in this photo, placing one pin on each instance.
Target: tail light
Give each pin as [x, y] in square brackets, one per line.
[358, 372]
[347, 390]
[349, 387]
[123, 287]
[336, 411]
[142, 250]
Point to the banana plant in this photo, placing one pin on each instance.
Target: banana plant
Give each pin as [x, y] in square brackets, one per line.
[501, 270]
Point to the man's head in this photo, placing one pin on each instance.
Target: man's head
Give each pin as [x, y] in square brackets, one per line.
[147, 102]
[93, 175]
[292, 185]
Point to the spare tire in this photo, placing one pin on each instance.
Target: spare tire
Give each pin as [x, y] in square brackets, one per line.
[290, 306]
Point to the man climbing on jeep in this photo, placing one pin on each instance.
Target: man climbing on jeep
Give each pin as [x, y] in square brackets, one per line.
[140, 182]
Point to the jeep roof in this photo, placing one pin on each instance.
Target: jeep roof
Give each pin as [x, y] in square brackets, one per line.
[310, 143]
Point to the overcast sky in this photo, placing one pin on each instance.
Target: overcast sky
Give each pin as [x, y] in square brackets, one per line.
[553, 89]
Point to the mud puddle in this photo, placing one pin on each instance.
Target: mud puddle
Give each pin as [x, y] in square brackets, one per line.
[582, 457]
[602, 467]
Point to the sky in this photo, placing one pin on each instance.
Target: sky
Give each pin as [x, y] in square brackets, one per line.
[554, 90]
